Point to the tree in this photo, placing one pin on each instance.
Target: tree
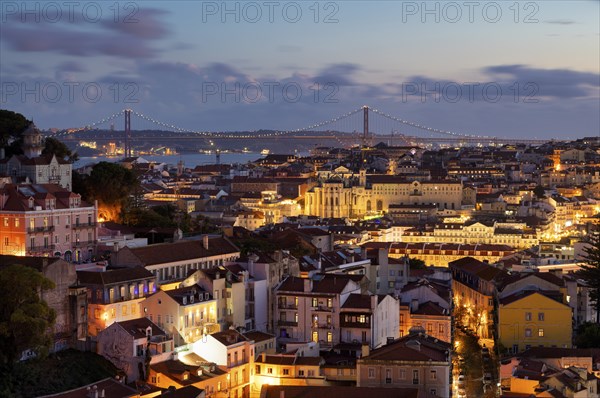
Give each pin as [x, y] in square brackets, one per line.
[539, 191]
[588, 335]
[59, 149]
[590, 270]
[12, 124]
[111, 185]
[25, 319]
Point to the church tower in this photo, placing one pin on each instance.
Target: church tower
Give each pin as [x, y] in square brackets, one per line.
[32, 142]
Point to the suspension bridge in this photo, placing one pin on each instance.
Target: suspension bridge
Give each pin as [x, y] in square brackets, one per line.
[360, 126]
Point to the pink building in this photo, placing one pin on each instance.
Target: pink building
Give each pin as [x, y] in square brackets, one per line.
[46, 220]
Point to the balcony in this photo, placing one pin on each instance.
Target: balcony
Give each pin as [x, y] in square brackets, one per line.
[47, 228]
[84, 243]
[285, 306]
[40, 249]
[322, 326]
[287, 323]
[323, 308]
[83, 225]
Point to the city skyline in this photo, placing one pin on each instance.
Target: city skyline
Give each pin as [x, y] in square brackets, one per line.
[524, 68]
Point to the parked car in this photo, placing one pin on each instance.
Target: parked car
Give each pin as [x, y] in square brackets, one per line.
[487, 378]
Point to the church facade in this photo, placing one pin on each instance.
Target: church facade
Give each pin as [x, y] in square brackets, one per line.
[374, 194]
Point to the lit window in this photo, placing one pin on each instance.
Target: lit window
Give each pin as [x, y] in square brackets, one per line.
[540, 332]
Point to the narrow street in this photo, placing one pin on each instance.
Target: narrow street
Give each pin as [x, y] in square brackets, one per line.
[473, 365]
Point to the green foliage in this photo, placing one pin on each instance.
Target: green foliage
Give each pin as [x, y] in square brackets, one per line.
[415, 263]
[25, 319]
[12, 124]
[59, 149]
[110, 183]
[588, 335]
[539, 191]
[590, 269]
[258, 244]
[59, 372]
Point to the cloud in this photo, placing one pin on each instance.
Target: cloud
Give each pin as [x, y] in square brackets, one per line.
[560, 22]
[124, 39]
[552, 83]
[71, 66]
[143, 24]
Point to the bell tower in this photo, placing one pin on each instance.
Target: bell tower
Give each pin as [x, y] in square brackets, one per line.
[32, 142]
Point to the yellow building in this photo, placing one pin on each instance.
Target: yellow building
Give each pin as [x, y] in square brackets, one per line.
[375, 193]
[531, 318]
[287, 370]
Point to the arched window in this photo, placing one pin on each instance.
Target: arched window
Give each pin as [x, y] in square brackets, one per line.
[379, 205]
[368, 205]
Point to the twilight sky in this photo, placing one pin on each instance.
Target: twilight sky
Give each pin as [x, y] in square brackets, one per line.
[502, 68]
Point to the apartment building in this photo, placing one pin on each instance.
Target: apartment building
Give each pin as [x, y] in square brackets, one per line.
[235, 352]
[46, 220]
[171, 262]
[127, 344]
[308, 310]
[187, 313]
[368, 319]
[473, 289]
[115, 295]
[414, 361]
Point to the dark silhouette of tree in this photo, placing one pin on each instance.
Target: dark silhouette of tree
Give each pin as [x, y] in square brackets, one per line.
[111, 185]
[25, 319]
[539, 191]
[588, 335]
[59, 149]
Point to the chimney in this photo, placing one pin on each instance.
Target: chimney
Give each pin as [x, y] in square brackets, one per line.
[307, 285]
[414, 305]
[382, 256]
[373, 303]
[115, 247]
[205, 242]
[364, 350]
[263, 357]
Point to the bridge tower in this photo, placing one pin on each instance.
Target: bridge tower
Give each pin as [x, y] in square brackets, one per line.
[127, 114]
[365, 126]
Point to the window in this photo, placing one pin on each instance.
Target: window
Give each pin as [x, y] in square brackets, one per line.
[527, 332]
[97, 313]
[124, 310]
[441, 328]
[433, 375]
[540, 332]
[415, 376]
[402, 374]
[362, 319]
[329, 302]
[433, 392]
[528, 316]
[540, 316]
[315, 336]
[315, 302]
[330, 337]
[388, 376]
[286, 372]
[301, 373]
[270, 371]
[371, 373]
[257, 369]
